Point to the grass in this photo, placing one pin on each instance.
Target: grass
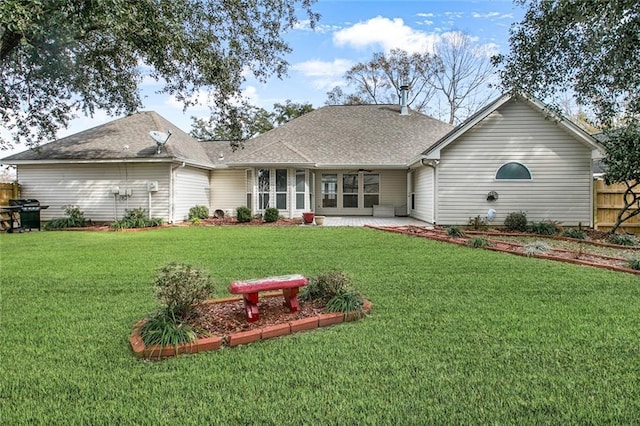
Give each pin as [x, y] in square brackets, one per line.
[456, 335]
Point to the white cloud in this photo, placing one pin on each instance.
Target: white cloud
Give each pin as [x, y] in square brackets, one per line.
[426, 15]
[491, 15]
[324, 74]
[384, 33]
[305, 25]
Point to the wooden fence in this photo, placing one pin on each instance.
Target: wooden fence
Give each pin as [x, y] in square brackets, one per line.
[607, 202]
[8, 191]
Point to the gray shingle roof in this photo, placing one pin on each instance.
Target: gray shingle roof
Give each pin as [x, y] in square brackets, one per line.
[344, 136]
[126, 138]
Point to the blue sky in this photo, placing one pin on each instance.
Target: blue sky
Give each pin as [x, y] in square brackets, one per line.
[349, 31]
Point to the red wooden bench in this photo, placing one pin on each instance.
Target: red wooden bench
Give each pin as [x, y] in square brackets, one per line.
[289, 284]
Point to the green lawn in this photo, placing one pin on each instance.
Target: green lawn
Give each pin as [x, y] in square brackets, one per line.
[456, 336]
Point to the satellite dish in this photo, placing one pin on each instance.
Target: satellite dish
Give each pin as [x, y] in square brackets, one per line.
[160, 138]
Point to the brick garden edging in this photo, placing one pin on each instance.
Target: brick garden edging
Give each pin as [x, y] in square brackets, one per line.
[242, 337]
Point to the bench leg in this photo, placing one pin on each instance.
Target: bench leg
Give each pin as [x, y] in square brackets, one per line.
[291, 298]
[251, 307]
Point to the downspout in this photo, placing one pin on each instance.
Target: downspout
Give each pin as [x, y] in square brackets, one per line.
[172, 189]
[433, 164]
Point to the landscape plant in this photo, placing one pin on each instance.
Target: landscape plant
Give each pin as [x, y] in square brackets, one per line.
[623, 240]
[634, 263]
[536, 247]
[136, 218]
[243, 214]
[455, 232]
[478, 223]
[516, 221]
[198, 212]
[478, 242]
[271, 214]
[545, 227]
[74, 219]
[574, 233]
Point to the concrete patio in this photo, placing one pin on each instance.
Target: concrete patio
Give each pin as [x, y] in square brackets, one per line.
[375, 221]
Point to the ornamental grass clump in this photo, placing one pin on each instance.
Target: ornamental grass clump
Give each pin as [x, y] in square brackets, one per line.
[622, 240]
[535, 248]
[634, 263]
[455, 232]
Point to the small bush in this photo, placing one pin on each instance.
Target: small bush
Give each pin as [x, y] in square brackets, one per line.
[574, 233]
[634, 263]
[178, 287]
[74, 219]
[136, 218]
[198, 212]
[622, 240]
[243, 214]
[325, 286]
[455, 232]
[271, 214]
[536, 247]
[516, 221]
[347, 301]
[478, 223]
[165, 329]
[546, 227]
[478, 242]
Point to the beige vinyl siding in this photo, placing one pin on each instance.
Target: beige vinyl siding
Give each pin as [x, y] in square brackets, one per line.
[228, 189]
[191, 188]
[393, 191]
[560, 188]
[423, 188]
[89, 186]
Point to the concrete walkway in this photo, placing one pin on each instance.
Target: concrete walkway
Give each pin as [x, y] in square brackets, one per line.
[370, 220]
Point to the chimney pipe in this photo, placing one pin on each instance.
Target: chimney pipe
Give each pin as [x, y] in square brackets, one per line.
[404, 109]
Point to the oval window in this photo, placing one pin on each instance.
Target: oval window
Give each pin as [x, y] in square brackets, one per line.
[513, 171]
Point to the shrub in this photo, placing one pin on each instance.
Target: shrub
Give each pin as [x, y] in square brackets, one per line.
[178, 287]
[546, 227]
[198, 212]
[454, 231]
[325, 286]
[243, 214]
[165, 329]
[271, 214]
[478, 242]
[516, 221]
[136, 218]
[536, 247]
[622, 240]
[478, 223]
[574, 233]
[75, 219]
[347, 301]
[634, 263]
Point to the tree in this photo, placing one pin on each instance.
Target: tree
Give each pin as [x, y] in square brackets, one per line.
[457, 75]
[379, 80]
[589, 49]
[245, 121]
[465, 70]
[59, 57]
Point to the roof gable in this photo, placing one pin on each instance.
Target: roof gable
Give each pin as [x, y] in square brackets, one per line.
[124, 139]
[433, 152]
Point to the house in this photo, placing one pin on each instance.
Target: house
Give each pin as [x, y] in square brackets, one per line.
[380, 160]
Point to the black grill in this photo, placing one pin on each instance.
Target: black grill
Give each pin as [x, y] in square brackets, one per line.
[29, 213]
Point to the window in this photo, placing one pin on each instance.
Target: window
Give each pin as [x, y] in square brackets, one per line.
[249, 188]
[281, 189]
[371, 190]
[300, 184]
[513, 170]
[350, 190]
[329, 190]
[264, 187]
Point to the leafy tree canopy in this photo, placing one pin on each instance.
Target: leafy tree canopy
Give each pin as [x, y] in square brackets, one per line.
[59, 57]
[589, 48]
[245, 121]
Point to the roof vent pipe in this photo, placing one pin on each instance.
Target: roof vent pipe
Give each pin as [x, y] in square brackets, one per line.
[404, 90]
